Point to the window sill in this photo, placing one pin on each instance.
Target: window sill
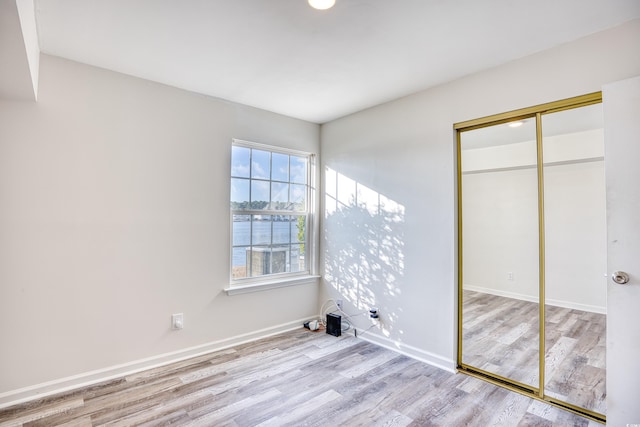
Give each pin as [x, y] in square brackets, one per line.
[272, 284]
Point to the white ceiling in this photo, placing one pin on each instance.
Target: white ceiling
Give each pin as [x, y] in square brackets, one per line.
[283, 56]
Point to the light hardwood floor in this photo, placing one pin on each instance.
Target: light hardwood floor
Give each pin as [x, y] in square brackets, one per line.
[299, 378]
[500, 335]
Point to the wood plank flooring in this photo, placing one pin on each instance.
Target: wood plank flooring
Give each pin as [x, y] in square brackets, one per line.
[500, 335]
[299, 378]
[576, 357]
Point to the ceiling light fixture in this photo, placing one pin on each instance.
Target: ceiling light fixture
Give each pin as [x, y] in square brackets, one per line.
[322, 4]
[516, 124]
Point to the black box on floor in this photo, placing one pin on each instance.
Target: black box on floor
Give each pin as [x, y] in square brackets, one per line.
[334, 324]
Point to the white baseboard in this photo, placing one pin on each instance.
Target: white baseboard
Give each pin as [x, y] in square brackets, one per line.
[577, 306]
[523, 297]
[412, 352]
[499, 293]
[61, 385]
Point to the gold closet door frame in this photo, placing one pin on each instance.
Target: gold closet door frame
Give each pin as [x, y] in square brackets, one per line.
[525, 113]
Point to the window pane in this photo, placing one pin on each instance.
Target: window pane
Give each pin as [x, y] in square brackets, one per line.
[281, 230]
[240, 157]
[298, 197]
[298, 229]
[268, 260]
[261, 230]
[279, 196]
[279, 167]
[239, 263]
[259, 194]
[297, 258]
[262, 180]
[260, 164]
[279, 255]
[239, 193]
[299, 169]
[241, 230]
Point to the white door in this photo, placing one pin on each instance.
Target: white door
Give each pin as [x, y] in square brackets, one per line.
[621, 101]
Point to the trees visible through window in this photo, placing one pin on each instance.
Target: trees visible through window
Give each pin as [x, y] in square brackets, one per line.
[270, 211]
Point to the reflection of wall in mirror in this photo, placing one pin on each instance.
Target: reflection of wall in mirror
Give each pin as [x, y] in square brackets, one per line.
[500, 234]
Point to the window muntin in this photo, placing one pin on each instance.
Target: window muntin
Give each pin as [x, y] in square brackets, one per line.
[270, 194]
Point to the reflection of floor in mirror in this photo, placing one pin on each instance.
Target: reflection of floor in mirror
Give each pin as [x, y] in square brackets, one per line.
[500, 335]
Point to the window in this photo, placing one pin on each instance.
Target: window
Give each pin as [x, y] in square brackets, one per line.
[270, 212]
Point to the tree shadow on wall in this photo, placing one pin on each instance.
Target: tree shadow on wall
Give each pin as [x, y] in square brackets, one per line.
[364, 251]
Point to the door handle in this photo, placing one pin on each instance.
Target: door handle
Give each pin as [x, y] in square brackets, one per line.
[620, 277]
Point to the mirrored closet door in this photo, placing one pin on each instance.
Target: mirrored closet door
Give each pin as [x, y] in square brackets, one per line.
[500, 251]
[532, 252]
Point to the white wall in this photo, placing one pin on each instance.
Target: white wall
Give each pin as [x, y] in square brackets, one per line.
[500, 233]
[114, 215]
[404, 150]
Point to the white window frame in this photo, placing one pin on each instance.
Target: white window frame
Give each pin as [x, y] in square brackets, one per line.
[276, 280]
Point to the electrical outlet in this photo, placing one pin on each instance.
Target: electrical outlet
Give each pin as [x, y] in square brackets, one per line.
[177, 321]
[510, 275]
[339, 303]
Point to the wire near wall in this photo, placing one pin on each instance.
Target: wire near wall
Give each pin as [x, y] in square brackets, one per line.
[331, 306]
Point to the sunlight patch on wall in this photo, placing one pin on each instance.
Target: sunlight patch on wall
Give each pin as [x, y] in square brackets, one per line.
[364, 238]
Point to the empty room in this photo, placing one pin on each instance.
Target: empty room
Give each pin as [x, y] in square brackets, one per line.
[319, 212]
